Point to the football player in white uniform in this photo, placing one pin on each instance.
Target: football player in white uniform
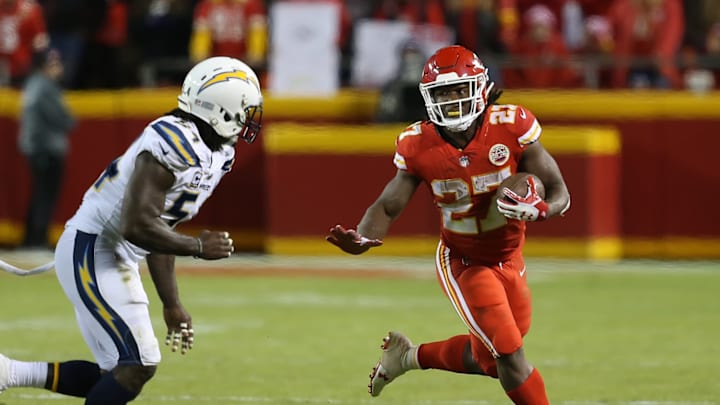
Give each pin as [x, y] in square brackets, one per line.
[130, 213]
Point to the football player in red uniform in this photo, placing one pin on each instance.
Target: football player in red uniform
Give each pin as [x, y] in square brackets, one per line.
[467, 148]
[235, 28]
[23, 33]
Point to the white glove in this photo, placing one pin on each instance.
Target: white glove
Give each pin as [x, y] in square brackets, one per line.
[528, 208]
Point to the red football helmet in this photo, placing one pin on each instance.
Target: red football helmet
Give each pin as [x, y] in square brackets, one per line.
[451, 66]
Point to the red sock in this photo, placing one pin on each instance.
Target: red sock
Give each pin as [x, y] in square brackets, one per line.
[444, 355]
[531, 392]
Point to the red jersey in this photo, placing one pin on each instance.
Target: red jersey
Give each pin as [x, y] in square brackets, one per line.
[538, 73]
[464, 182]
[656, 32]
[22, 29]
[228, 21]
[113, 31]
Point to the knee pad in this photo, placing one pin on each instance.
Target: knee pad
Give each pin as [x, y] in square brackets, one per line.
[483, 358]
[133, 377]
[490, 370]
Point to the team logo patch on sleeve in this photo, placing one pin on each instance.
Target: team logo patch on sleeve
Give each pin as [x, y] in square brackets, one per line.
[499, 154]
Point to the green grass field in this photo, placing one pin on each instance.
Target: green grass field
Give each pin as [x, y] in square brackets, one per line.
[642, 333]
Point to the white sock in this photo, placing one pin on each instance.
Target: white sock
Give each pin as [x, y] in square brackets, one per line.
[409, 359]
[28, 374]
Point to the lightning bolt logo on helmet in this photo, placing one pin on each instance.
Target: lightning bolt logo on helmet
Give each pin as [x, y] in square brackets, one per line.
[227, 76]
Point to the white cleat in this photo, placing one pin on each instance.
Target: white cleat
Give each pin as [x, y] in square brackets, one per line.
[4, 372]
[397, 358]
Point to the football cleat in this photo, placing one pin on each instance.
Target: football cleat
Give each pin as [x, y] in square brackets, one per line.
[4, 372]
[397, 358]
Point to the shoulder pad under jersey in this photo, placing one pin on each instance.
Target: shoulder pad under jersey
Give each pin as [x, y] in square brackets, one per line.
[172, 144]
[407, 144]
[520, 121]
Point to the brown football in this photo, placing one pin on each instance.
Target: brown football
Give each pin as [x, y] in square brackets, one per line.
[518, 183]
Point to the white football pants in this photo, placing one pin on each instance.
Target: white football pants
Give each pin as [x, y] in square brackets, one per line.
[110, 303]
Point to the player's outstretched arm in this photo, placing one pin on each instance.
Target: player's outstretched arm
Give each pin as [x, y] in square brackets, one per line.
[180, 332]
[378, 217]
[141, 221]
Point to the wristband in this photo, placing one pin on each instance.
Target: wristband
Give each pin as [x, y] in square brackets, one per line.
[200, 247]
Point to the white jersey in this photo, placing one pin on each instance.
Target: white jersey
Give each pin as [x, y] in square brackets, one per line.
[176, 144]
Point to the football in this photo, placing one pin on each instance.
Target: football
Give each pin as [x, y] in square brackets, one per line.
[518, 183]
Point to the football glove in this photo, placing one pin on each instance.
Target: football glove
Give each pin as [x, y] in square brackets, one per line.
[350, 241]
[528, 208]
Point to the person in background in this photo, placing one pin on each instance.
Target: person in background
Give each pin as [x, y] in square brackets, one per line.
[235, 28]
[399, 99]
[22, 33]
[598, 36]
[509, 17]
[596, 52]
[479, 29]
[469, 145]
[413, 12]
[103, 65]
[570, 16]
[129, 214]
[544, 58]
[45, 125]
[701, 67]
[71, 24]
[158, 36]
[651, 32]
[700, 16]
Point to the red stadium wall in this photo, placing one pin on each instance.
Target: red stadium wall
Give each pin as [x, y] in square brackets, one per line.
[344, 168]
[666, 155]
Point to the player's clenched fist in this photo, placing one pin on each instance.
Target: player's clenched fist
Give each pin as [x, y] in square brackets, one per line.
[213, 245]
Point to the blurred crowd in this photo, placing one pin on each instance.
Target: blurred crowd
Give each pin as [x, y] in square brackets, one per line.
[527, 43]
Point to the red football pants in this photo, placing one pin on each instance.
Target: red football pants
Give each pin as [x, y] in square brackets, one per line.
[493, 300]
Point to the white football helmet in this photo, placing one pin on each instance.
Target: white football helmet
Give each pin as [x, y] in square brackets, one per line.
[225, 93]
[450, 66]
